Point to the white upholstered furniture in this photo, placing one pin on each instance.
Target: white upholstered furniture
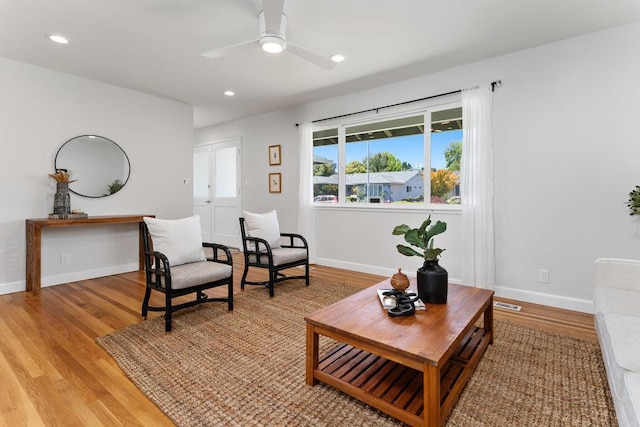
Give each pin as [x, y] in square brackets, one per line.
[177, 265]
[617, 320]
[266, 248]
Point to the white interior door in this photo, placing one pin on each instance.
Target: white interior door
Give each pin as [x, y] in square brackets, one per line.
[202, 189]
[216, 191]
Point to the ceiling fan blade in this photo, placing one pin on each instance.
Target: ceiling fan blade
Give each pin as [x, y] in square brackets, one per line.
[273, 15]
[217, 53]
[314, 58]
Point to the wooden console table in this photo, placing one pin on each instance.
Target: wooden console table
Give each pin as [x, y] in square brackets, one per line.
[34, 228]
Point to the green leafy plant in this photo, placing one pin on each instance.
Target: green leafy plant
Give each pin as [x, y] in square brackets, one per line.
[634, 201]
[115, 186]
[422, 238]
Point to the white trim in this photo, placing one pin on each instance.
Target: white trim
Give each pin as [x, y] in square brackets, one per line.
[62, 279]
[231, 139]
[557, 301]
[370, 269]
[424, 108]
[426, 149]
[12, 287]
[88, 274]
[389, 207]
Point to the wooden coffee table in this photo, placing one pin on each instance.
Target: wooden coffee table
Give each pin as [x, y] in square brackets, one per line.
[412, 368]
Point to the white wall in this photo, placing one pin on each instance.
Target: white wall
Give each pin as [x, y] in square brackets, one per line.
[257, 134]
[565, 153]
[41, 109]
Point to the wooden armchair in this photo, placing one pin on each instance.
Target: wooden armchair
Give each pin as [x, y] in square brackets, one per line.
[259, 253]
[179, 279]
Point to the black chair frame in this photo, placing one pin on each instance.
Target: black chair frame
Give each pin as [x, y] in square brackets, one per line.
[158, 278]
[262, 253]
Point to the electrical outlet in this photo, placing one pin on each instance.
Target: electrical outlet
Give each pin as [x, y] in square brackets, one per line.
[65, 259]
[543, 276]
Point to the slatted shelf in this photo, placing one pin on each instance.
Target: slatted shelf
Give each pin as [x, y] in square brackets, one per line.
[399, 385]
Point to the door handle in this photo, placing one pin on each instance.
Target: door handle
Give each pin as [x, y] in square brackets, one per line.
[207, 201]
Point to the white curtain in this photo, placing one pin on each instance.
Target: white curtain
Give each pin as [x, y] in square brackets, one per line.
[476, 189]
[306, 213]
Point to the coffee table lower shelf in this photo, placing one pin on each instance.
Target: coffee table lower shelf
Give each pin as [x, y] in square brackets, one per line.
[396, 389]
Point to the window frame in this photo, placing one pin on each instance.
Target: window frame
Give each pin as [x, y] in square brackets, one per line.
[341, 124]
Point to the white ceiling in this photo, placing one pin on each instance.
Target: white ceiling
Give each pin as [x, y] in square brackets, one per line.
[154, 46]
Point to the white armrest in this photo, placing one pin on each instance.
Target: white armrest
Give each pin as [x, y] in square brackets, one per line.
[618, 273]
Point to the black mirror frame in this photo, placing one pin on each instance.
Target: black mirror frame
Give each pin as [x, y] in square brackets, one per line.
[55, 161]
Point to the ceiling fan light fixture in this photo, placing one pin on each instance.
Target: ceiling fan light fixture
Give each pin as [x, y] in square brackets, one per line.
[272, 44]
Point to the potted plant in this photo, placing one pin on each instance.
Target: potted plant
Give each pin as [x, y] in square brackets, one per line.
[432, 278]
[115, 186]
[634, 201]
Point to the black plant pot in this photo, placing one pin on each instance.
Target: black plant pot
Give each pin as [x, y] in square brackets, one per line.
[433, 281]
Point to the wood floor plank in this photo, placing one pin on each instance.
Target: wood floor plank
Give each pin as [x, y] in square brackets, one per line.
[53, 373]
[16, 404]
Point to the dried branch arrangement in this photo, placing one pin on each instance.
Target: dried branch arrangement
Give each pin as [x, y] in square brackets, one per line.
[61, 176]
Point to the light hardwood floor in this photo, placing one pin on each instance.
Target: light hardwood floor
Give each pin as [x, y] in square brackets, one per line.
[52, 372]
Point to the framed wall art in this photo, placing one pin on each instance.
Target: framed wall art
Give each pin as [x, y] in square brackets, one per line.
[274, 182]
[274, 155]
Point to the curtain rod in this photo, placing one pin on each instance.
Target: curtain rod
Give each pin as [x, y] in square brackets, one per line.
[494, 85]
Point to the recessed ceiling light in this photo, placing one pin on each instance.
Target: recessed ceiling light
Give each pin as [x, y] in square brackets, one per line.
[57, 38]
[338, 57]
[229, 92]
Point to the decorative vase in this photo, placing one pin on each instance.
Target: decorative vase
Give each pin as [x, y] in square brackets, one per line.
[433, 281]
[399, 281]
[62, 199]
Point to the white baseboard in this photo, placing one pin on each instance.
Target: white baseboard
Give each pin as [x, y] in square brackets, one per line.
[87, 274]
[370, 269]
[11, 287]
[558, 301]
[362, 268]
[20, 286]
[575, 304]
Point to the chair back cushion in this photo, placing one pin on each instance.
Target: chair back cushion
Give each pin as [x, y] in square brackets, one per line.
[180, 240]
[263, 226]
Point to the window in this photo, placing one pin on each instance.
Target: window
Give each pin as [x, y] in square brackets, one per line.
[392, 160]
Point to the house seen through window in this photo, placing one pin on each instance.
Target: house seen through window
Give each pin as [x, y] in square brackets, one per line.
[390, 161]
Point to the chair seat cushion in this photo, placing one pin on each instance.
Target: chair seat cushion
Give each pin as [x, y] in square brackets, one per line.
[282, 256]
[198, 273]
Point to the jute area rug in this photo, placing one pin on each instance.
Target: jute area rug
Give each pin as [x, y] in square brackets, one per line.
[247, 368]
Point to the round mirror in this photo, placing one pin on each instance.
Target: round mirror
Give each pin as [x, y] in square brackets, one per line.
[99, 166]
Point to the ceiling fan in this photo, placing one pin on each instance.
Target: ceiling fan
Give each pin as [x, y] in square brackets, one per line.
[272, 37]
